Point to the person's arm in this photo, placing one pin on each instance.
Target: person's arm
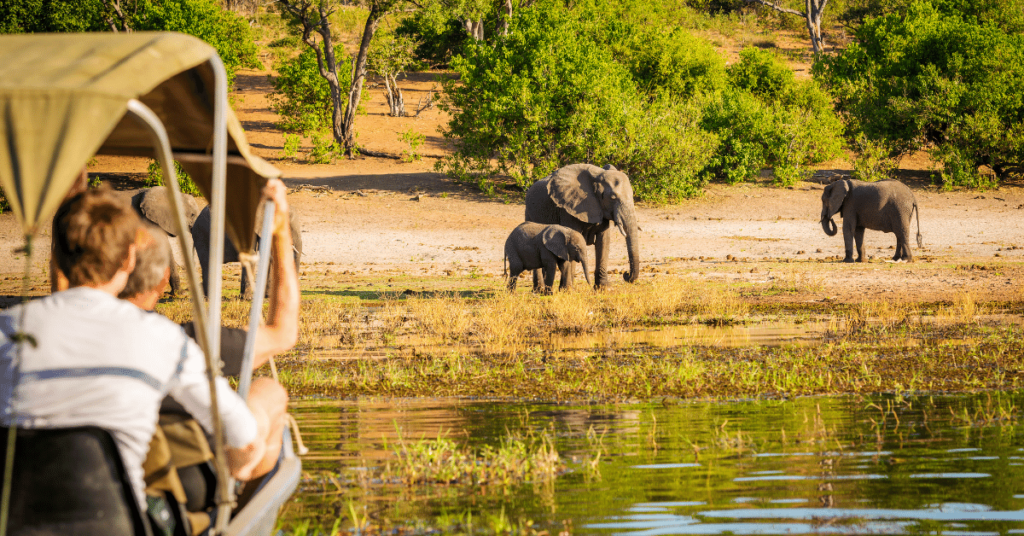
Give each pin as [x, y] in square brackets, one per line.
[242, 430]
[282, 328]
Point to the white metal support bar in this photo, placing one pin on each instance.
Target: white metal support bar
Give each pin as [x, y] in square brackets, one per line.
[256, 312]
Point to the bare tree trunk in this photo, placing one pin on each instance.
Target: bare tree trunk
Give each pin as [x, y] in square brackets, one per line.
[814, 9]
[506, 16]
[393, 96]
[358, 77]
[475, 28]
[115, 5]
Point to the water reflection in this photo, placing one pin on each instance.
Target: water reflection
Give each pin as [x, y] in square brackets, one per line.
[837, 466]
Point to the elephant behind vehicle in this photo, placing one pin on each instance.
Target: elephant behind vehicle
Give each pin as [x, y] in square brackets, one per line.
[589, 199]
[885, 206]
[201, 240]
[153, 205]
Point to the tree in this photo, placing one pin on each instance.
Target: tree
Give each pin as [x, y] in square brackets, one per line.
[935, 80]
[390, 55]
[313, 16]
[813, 11]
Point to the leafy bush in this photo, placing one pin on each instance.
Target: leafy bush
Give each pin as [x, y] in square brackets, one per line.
[873, 162]
[223, 29]
[414, 140]
[768, 119]
[301, 96]
[936, 81]
[291, 145]
[37, 16]
[552, 93]
[155, 177]
[672, 61]
[438, 37]
[325, 150]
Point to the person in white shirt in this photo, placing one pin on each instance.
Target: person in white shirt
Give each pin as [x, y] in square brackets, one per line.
[89, 358]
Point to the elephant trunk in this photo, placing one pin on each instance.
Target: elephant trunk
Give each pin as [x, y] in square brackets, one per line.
[586, 268]
[827, 224]
[626, 222]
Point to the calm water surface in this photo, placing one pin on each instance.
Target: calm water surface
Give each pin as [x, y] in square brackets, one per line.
[950, 465]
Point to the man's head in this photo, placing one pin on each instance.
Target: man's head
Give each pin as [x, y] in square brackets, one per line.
[152, 271]
[94, 239]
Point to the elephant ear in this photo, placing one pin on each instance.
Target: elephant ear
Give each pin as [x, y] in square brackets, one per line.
[838, 194]
[554, 239]
[572, 189]
[156, 207]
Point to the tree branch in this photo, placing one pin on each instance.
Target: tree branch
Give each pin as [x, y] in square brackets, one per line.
[779, 8]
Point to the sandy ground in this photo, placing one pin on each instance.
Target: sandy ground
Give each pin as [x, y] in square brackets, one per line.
[385, 215]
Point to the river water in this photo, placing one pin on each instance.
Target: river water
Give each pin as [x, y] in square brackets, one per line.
[851, 465]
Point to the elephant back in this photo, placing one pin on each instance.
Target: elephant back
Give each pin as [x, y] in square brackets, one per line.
[154, 205]
[540, 208]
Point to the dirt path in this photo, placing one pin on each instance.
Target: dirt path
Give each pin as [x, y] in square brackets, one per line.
[386, 215]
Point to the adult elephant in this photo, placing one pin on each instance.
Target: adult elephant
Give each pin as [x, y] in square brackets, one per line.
[154, 206]
[588, 199]
[201, 239]
[882, 206]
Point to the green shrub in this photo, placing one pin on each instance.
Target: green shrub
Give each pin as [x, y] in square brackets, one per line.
[301, 96]
[768, 119]
[225, 30]
[37, 16]
[291, 145]
[325, 150]
[155, 177]
[438, 37]
[873, 161]
[559, 89]
[936, 81]
[672, 61]
[414, 140]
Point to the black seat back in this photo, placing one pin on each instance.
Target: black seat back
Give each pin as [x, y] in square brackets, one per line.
[70, 481]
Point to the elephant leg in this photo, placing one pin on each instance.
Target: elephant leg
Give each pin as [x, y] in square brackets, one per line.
[550, 267]
[858, 235]
[248, 282]
[567, 269]
[175, 280]
[602, 244]
[903, 239]
[537, 280]
[515, 267]
[849, 228]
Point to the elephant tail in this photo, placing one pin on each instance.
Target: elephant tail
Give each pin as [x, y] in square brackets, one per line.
[504, 264]
[920, 241]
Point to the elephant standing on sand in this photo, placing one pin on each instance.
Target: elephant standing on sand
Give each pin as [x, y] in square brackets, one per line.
[588, 199]
[153, 205]
[201, 239]
[533, 246]
[881, 206]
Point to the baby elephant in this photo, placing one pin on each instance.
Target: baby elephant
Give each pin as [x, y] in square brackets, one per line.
[881, 206]
[536, 245]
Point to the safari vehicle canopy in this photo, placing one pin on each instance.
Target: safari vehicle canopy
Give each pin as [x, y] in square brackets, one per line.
[67, 97]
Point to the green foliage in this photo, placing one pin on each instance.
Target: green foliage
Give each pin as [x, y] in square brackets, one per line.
[291, 145]
[873, 162]
[414, 140]
[37, 16]
[768, 119]
[936, 81]
[225, 30]
[438, 36]
[390, 54]
[325, 150]
[4, 204]
[301, 96]
[155, 177]
[580, 85]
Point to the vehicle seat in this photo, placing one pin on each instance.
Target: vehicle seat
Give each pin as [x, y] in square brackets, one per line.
[70, 481]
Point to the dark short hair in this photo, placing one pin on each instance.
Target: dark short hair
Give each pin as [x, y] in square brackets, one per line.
[151, 262]
[93, 232]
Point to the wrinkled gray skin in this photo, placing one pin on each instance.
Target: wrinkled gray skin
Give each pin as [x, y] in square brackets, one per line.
[588, 199]
[881, 206]
[533, 246]
[154, 205]
[201, 239]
